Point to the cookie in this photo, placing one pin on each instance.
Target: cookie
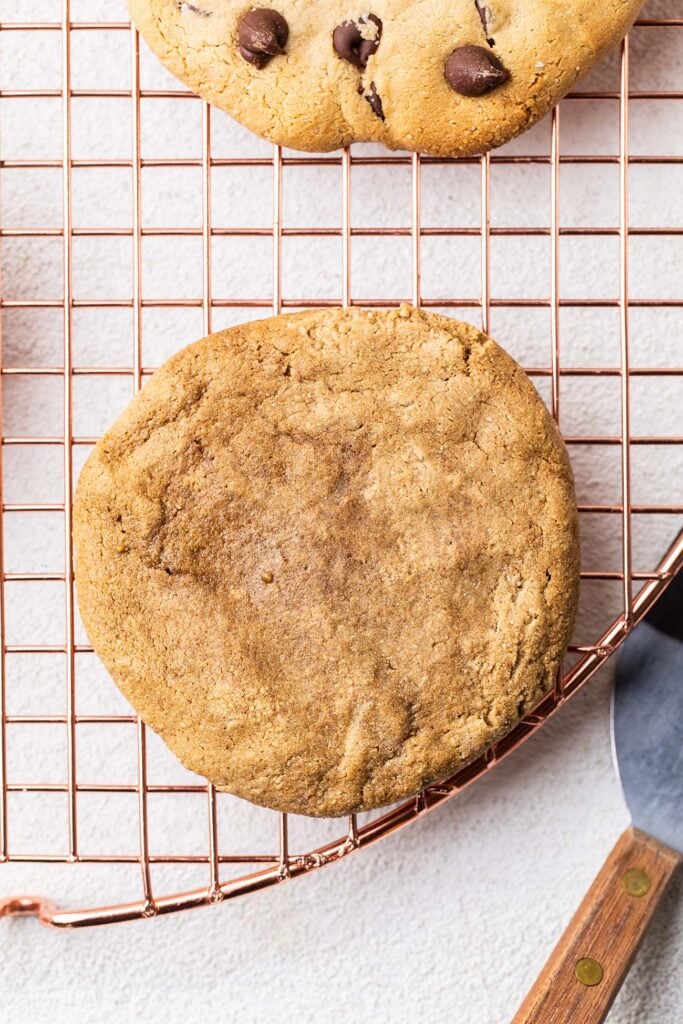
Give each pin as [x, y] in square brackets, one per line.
[447, 77]
[330, 557]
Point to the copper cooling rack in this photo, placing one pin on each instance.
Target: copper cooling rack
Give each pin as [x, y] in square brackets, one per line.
[220, 870]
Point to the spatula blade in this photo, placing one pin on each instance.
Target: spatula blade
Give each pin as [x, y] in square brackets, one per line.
[647, 720]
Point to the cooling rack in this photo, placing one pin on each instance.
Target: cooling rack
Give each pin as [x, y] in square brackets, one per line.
[45, 658]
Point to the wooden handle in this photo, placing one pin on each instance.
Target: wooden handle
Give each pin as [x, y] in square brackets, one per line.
[585, 970]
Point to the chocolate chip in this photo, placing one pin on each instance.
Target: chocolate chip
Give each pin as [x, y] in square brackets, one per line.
[472, 71]
[356, 41]
[262, 35]
[373, 98]
[485, 15]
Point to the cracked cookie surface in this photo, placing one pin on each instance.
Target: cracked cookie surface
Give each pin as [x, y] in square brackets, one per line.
[330, 557]
[385, 71]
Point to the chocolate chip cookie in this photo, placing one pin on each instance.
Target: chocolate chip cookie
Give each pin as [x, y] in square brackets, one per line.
[448, 78]
[330, 557]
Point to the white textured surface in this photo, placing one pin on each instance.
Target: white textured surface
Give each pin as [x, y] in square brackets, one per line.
[452, 918]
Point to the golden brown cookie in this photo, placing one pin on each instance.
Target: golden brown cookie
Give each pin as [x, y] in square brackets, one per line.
[448, 77]
[330, 557]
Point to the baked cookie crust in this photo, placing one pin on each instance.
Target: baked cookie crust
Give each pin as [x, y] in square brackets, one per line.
[399, 72]
[330, 557]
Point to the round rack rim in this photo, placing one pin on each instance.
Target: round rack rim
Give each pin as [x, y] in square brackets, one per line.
[591, 657]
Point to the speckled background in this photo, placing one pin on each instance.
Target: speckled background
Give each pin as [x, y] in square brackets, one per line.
[452, 918]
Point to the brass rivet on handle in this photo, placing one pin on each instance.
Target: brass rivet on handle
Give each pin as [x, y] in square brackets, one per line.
[588, 971]
[636, 882]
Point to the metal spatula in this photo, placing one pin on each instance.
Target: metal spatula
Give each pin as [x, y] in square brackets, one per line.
[585, 970]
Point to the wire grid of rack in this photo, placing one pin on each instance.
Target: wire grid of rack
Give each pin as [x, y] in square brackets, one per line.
[638, 589]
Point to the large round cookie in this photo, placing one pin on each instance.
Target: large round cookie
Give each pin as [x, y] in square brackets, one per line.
[330, 557]
[318, 74]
